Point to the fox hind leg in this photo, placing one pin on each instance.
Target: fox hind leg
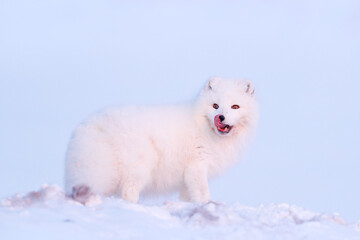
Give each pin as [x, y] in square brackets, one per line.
[81, 193]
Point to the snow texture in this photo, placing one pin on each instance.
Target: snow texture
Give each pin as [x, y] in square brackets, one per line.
[49, 214]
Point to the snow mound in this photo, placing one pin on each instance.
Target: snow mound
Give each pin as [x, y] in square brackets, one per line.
[49, 214]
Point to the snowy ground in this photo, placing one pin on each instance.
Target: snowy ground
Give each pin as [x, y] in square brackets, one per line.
[48, 214]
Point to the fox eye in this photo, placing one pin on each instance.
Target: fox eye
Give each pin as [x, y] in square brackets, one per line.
[235, 106]
[215, 106]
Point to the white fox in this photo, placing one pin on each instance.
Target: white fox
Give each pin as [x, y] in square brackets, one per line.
[129, 151]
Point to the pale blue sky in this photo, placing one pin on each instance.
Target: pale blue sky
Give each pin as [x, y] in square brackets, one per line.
[63, 60]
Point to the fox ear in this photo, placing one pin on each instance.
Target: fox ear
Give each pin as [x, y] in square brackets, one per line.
[249, 88]
[211, 83]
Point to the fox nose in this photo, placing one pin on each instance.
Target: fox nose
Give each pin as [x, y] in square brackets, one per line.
[222, 117]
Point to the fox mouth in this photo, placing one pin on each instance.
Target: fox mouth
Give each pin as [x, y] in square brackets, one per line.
[221, 127]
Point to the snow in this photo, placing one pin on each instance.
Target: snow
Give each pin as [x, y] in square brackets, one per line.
[49, 214]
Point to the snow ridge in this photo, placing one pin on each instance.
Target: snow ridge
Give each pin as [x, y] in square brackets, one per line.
[48, 213]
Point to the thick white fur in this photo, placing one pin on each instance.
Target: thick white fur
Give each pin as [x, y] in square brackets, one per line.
[153, 150]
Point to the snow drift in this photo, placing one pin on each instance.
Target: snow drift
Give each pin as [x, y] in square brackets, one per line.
[49, 214]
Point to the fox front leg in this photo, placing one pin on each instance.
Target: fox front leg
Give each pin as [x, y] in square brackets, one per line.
[196, 182]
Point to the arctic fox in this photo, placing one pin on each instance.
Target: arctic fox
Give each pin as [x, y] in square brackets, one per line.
[133, 151]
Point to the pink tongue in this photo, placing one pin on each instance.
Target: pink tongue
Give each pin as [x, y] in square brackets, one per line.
[218, 123]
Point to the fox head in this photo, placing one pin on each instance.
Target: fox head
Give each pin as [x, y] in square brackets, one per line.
[229, 106]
